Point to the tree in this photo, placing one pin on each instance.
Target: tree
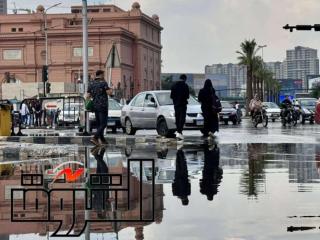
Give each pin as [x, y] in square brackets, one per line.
[247, 57]
[316, 91]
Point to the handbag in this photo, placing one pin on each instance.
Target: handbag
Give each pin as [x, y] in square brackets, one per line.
[89, 105]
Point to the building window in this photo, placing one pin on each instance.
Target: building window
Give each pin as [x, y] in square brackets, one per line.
[12, 54]
[13, 29]
[77, 51]
[75, 11]
[106, 10]
[20, 29]
[93, 10]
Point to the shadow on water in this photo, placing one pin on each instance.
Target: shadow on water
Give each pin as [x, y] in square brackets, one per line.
[194, 181]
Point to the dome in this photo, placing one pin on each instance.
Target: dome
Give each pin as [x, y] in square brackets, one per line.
[136, 5]
[40, 8]
[155, 17]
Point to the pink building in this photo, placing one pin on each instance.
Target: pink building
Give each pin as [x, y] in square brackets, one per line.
[137, 38]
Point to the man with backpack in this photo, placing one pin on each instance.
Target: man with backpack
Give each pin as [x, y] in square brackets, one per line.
[179, 95]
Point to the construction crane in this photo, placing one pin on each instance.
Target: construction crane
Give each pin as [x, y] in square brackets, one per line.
[15, 9]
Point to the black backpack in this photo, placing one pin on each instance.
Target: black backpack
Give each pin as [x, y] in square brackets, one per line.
[217, 107]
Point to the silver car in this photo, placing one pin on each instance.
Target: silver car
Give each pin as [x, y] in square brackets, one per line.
[155, 110]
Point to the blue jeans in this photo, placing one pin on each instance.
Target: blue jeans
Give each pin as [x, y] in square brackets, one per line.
[102, 122]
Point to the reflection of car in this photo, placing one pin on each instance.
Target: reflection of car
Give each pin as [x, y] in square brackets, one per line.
[114, 114]
[307, 109]
[228, 113]
[273, 110]
[154, 110]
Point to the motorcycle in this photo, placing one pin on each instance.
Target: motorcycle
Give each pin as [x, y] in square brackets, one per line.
[290, 116]
[260, 117]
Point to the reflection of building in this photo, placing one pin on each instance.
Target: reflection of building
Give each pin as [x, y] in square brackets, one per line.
[65, 213]
[137, 38]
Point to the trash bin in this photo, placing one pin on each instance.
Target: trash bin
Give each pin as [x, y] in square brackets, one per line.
[5, 119]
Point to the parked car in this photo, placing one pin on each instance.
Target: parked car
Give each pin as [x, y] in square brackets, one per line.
[307, 109]
[154, 110]
[228, 113]
[70, 114]
[273, 110]
[113, 116]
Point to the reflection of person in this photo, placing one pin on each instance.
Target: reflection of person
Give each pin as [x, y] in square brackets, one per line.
[181, 186]
[209, 101]
[99, 90]
[179, 95]
[212, 173]
[99, 199]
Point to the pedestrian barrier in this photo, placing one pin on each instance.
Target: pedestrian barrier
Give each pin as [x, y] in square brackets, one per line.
[51, 112]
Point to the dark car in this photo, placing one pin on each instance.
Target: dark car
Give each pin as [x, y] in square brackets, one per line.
[228, 113]
[307, 109]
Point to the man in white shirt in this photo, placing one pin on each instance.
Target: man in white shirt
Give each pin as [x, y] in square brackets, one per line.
[24, 111]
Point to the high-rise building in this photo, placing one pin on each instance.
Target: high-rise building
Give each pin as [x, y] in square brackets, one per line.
[277, 68]
[236, 76]
[3, 6]
[300, 62]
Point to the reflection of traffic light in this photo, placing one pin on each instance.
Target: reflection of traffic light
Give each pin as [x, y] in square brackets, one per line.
[44, 73]
[48, 87]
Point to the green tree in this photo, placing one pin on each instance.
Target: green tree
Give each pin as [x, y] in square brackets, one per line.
[247, 57]
[315, 92]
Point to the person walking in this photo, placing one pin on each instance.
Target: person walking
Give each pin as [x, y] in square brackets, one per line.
[99, 90]
[210, 106]
[179, 95]
[38, 110]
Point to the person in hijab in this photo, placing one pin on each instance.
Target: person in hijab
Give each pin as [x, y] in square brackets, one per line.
[210, 106]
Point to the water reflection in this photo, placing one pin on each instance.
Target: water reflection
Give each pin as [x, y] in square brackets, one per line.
[211, 173]
[195, 175]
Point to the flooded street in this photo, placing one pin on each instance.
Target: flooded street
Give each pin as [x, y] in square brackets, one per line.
[223, 191]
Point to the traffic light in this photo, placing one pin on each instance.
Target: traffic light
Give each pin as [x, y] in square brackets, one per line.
[44, 73]
[48, 87]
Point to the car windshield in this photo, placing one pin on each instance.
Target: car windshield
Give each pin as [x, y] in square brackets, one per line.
[270, 105]
[114, 105]
[226, 105]
[308, 102]
[164, 99]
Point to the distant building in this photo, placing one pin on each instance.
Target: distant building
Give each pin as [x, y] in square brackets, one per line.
[300, 62]
[137, 38]
[235, 74]
[220, 84]
[313, 81]
[3, 7]
[277, 68]
[290, 87]
[194, 80]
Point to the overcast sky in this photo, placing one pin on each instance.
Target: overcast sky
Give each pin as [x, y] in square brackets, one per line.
[202, 32]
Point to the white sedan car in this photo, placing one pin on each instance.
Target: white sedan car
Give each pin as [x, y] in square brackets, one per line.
[273, 110]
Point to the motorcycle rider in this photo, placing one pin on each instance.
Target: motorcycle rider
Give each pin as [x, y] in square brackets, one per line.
[255, 105]
[286, 105]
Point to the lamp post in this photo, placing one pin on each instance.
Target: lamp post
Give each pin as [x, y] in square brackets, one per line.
[262, 83]
[46, 28]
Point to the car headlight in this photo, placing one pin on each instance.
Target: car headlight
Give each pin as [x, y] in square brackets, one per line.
[171, 113]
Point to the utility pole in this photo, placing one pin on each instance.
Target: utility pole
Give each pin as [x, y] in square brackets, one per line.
[85, 45]
[46, 39]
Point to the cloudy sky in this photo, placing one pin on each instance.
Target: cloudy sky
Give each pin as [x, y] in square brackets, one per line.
[202, 32]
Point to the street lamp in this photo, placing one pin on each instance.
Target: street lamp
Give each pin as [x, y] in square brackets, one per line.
[262, 83]
[46, 28]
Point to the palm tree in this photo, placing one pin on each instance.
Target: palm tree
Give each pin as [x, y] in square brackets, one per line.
[247, 57]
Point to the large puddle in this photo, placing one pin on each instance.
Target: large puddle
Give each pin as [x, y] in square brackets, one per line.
[226, 191]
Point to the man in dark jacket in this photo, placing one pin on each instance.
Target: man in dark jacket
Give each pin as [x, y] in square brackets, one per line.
[99, 90]
[180, 95]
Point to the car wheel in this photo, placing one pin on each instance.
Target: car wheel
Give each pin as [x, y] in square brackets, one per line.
[129, 128]
[311, 121]
[162, 128]
[303, 120]
[114, 130]
[226, 122]
[123, 130]
[273, 119]
[234, 121]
